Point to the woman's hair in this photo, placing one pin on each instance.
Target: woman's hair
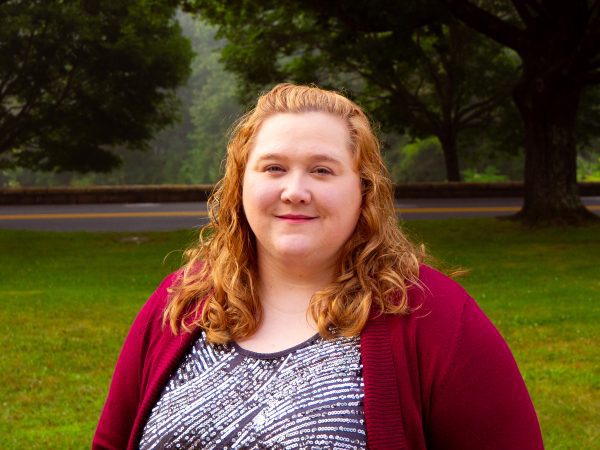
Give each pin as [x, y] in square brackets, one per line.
[218, 286]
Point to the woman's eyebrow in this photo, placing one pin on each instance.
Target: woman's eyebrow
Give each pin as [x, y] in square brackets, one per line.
[312, 157]
[269, 156]
[324, 157]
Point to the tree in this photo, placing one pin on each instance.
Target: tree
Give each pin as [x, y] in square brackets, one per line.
[214, 107]
[414, 68]
[81, 78]
[559, 46]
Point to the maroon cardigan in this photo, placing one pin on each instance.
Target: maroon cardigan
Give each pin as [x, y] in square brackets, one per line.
[439, 378]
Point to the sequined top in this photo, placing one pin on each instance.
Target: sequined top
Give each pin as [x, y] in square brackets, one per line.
[226, 397]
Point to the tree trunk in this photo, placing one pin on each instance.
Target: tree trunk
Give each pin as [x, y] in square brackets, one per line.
[549, 111]
[449, 148]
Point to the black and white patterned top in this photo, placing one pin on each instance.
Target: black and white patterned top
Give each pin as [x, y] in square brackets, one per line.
[225, 397]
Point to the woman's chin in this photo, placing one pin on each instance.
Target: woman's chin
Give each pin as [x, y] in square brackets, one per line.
[296, 252]
[298, 255]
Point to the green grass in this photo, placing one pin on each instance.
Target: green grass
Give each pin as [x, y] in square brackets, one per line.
[69, 298]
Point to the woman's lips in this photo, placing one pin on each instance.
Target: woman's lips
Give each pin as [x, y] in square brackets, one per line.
[295, 217]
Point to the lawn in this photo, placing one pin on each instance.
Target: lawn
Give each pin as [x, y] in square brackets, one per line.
[69, 298]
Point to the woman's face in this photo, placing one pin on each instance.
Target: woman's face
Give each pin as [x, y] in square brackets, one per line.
[301, 191]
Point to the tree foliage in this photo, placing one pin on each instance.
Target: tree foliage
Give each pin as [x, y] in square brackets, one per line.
[214, 108]
[188, 151]
[80, 78]
[395, 46]
[558, 43]
[414, 68]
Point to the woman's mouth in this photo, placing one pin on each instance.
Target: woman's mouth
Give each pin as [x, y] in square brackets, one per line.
[295, 217]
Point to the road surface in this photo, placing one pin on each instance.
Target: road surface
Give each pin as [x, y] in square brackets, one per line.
[175, 216]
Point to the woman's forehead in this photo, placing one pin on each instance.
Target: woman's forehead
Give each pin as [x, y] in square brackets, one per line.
[311, 136]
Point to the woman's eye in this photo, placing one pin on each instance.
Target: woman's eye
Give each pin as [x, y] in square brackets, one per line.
[273, 169]
[322, 171]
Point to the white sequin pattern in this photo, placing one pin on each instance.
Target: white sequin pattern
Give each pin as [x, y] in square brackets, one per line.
[224, 397]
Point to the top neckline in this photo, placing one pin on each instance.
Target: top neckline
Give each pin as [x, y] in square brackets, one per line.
[274, 355]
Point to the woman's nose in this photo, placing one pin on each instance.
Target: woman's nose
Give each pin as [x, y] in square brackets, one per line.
[295, 189]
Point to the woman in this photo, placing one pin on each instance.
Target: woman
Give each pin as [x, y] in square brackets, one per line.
[304, 318]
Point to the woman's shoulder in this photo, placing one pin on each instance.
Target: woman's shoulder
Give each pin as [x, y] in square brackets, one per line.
[160, 296]
[445, 338]
[441, 311]
[151, 314]
[466, 373]
[437, 294]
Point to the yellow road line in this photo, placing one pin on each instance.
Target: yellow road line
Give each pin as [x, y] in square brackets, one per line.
[471, 209]
[114, 215]
[459, 209]
[107, 215]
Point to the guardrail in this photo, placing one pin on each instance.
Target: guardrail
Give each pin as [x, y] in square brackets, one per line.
[201, 192]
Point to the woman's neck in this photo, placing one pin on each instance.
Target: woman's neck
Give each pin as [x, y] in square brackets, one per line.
[289, 287]
[285, 294]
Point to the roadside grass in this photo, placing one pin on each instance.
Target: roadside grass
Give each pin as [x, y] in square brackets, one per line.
[68, 300]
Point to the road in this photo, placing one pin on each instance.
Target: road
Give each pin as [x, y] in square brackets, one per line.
[174, 216]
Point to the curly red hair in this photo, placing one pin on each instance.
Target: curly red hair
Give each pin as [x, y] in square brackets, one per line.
[377, 265]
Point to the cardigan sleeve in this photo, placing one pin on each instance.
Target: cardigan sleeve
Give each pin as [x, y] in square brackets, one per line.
[480, 400]
[124, 396]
